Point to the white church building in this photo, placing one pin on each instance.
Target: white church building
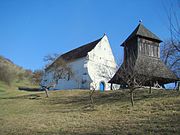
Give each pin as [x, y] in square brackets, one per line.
[92, 65]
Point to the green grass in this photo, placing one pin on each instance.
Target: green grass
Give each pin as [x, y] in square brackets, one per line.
[68, 112]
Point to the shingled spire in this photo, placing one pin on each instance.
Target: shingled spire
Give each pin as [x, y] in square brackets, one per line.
[141, 31]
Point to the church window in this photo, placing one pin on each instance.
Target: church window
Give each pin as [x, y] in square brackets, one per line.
[84, 81]
[84, 73]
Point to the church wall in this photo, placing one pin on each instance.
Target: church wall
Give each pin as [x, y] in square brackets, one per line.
[101, 65]
[75, 82]
[88, 72]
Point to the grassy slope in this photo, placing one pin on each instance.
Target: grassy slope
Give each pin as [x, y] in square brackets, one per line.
[67, 112]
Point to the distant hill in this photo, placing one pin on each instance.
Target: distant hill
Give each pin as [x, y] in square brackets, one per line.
[5, 60]
[16, 72]
[10, 63]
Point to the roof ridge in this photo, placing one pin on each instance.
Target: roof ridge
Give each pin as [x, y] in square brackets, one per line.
[87, 44]
[141, 30]
[78, 52]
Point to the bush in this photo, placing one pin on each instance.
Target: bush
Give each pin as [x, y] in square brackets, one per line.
[7, 74]
[23, 74]
[37, 76]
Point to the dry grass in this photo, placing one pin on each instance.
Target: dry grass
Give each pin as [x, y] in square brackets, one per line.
[68, 112]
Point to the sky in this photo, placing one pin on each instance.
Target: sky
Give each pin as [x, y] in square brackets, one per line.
[32, 29]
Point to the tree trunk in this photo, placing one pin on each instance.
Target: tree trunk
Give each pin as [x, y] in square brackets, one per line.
[46, 91]
[150, 87]
[132, 98]
[178, 86]
[91, 98]
[150, 90]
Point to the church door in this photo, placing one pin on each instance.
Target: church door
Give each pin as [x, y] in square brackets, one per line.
[102, 86]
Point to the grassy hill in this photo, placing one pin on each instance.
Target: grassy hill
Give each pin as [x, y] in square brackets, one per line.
[68, 112]
[8, 62]
[11, 73]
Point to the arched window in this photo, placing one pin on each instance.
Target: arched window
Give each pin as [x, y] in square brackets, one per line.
[102, 86]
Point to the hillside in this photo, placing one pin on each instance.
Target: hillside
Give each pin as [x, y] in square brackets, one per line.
[11, 73]
[68, 112]
[8, 62]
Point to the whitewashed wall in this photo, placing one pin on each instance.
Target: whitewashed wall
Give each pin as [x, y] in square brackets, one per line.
[75, 82]
[88, 72]
[78, 68]
[101, 64]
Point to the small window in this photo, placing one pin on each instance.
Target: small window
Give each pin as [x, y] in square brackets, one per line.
[68, 76]
[84, 73]
[84, 81]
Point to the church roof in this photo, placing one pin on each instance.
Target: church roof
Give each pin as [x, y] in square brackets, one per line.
[77, 53]
[142, 32]
[154, 67]
[80, 52]
[148, 66]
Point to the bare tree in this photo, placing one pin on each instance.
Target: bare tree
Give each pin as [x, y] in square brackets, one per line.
[136, 73]
[170, 50]
[47, 87]
[91, 93]
[50, 58]
[171, 56]
[59, 68]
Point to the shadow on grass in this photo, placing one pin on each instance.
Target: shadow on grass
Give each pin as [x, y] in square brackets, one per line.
[72, 133]
[109, 97]
[30, 96]
[84, 99]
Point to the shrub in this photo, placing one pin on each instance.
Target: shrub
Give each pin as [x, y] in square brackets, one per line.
[37, 76]
[7, 74]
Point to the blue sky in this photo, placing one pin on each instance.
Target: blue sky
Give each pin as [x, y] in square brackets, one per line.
[31, 29]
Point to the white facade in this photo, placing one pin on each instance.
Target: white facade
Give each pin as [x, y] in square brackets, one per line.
[97, 67]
